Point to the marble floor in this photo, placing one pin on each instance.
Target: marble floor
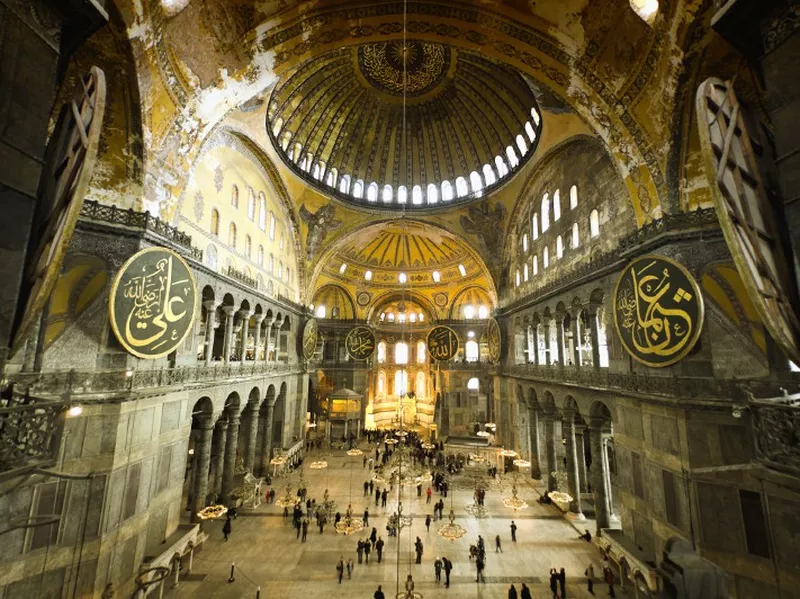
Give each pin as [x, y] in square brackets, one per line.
[266, 552]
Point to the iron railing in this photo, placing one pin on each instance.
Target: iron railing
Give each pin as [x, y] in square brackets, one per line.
[30, 430]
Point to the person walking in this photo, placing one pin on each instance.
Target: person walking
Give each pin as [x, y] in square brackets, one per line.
[428, 522]
[429, 493]
[226, 528]
[373, 536]
[384, 497]
[418, 549]
[366, 516]
[562, 582]
[525, 593]
[367, 550]
[448, 566]
[437, 569]
[513, 532]
[379, 549]
[498, 547]
[340, 569]
[350, 566]
[512, 592]
[377, 496]
[589, 573]
[366, 488]
[480, 564]
[360, 551]
[554, 582]
[379, 594]
[305, 529]
[609, 577]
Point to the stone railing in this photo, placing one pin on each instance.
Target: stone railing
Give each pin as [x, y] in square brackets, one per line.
[673, 386]
[29, 432]
[776, 426]
[72, 382]
[96, 211]
[238, 275]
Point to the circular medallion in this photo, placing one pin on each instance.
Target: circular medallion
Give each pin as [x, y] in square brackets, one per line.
[360, 343]
[440, 299]
[152, 303]
[363, 298]
[412, 66]
[658, 310]
[310, 339]
[442, 343]
[494, 340]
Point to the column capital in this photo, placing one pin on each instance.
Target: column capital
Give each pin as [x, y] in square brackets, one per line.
[229, 310]
[211, 305]
[259, 317]
[245, 314]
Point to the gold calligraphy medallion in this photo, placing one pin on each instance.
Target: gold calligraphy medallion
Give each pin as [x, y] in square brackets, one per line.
[310, 334]
[494, 340]
[442, 343]
[153, 302]
[658, 310]
[360, 342]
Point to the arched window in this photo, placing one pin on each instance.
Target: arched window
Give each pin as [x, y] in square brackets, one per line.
[594, 223]
[576, 239]
[473, 384]
[516, 278]
[475, 182]
[281, 243]
[260, 256]
[556, 205]
[232, 236]
[530, 131]
[421, 353]
[545, 212]
[545, 258]
[285, 139]
[235, 196]
[502, 169]
[400, 383]
[382, 352]
[387, 194]
[483, 312]
[211, 257]
[432, 194]
[321, 311]
[512, 156]
[315, 171]
[524, 242]
[402, 278]
[525, 272]
[262, 211]
[523, 147]
[372, 192]
[461, 187]
[437, 276]
[535, 265]
[381, 386]
[573, 197]
[280, 269]
[401, 352]
[276, 127]
[368, 275]
[248, 246]
[344, 184]
[469, 312]
[271, 263]
[488, 174]
[646, 9]
[251, 204]
[559, 248]
[447, 191]
[214, 222]
[420, 389]
[471, 352]
[358, 189]
[462, 270]
[402, 194]
[535, 116]
[535, 225]
[272, 224]
[416, 195]
[330, 179]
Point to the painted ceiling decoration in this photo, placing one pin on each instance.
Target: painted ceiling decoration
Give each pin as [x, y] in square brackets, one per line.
[464, 125]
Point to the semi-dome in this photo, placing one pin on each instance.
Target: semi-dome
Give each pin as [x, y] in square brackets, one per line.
[337, 120]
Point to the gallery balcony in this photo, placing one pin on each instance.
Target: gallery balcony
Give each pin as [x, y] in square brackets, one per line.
[30, 429]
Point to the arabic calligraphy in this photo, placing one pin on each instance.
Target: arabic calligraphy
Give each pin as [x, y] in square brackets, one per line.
[494, 340]
[360, 343]
[442, 343]
[153, 303]
[658, 310]
[310, 339]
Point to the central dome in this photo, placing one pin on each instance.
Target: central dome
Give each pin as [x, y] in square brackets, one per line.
[469, 123]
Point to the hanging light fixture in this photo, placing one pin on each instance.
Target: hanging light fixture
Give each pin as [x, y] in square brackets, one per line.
[514, 502]
[212, 512]
[319, 465]
[288, 500]
[508, 453]
[354, 452]
[350, 524]
[520, 463]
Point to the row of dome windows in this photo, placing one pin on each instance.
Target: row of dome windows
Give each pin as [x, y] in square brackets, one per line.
[401, 349]
[402, 278]
[401, 384]
[433, 193]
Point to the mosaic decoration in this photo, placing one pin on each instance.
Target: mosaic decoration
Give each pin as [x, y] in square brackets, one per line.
[494, 340]
[153, 302]
[360, 343]
[383, 64]
[319, 224]
[363, 299]
[658, 310]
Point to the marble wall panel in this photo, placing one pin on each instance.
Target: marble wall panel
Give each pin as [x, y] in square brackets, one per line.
[786, 535]
[170, 416]
[720, 517]
[664, 433]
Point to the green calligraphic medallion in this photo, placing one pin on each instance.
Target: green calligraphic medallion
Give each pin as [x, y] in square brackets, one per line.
[153, 302]
[360, 343]
[658, 310]
[442, 343]
[310, 334]
[494, 340]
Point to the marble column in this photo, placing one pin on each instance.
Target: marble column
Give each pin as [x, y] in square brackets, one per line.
[598, 476]
[550, 441]
[560, 345]
[536, 458]
[266, 449]
[277, 338]
[580, 450]
[259, 318]
[536, 332]
[251, 432]
[576, 338]
[595, 333]
[548, 359]
[211, 331]
[573, 477]
[607, 480]
[245, 316]
[219, 456]
[227, 346]
[202, 455]
[230, 455]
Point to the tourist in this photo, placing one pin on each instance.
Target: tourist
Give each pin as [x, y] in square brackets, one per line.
[373, 536]
[448, 566]
[379, 549]
[360, 551]
[367, 550]
[586, 536]
[350, 566]
[418, 549]
[377, 496]
[337, 518]
[513, 532]
[480, 564]
[366, 516]
[554, 582]
[437, 569]
[366, 488]
[384, 497]
[379, 594]
[498, 548]
[525, 593]
[512, 592]
[340, 569]
[305, 529]
[609, 578]
[562, 581]
[428, 522]
[371, 483]
[226, 528]
[428, 493]
[589, 573]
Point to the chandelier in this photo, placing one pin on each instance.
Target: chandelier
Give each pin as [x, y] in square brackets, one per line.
[354, 452]
[476, 510]
[484, 434]
[402, 469]
[212, 512]
[349, 524]
[318, 465]
[427, 445]
[514, 502]
[278, 460]
[452, 531]
[560, 496]
[520, 463]
[287, 500]
[391, 441]
[401, 434]
[508, 453]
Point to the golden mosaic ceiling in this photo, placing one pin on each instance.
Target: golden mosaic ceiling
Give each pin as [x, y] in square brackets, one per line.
[338, 121]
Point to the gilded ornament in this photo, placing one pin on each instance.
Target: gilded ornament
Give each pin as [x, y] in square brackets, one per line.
[442, 343]
[360, 343]
[494, 339]
[310, 334]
